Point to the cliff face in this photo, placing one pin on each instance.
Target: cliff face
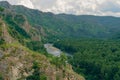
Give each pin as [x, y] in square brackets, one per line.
[17, 62]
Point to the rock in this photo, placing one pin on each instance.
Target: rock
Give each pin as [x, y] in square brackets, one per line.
[1, 54]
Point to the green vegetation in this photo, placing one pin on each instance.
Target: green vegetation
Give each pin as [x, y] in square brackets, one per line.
[15, 23]
[19, 19]
[36, 46]
[96, 67]
[18, 31]
[1, 77]
[2, 41]
[67, 26]
[72, 26]
[95, 59]
[37, 75]
[59, 61]
[1, 9]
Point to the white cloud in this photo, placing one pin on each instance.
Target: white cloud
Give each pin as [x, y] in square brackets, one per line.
[90, 7]
[26, 3]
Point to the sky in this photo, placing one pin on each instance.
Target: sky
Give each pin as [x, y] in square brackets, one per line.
[77, 7]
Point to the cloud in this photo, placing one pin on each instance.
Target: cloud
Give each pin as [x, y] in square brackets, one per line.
[26, 3]
[112, 6]
[78, 7]
[43, 4]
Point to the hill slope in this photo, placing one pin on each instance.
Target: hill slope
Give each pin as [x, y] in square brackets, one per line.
[72, 26]
[17, 61]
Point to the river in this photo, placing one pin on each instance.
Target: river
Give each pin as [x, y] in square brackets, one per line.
[52, 50]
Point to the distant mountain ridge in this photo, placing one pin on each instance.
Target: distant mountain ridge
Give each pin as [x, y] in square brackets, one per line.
[23, 32]
[69, 26]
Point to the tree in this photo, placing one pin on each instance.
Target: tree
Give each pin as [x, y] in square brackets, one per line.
[36, 73]
[63, 59]
[1, 9]
[1, 78]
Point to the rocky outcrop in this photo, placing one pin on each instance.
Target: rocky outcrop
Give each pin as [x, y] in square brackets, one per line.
[17, 62]
[6, 35]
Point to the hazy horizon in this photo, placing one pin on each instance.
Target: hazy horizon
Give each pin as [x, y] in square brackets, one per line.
[78, 7]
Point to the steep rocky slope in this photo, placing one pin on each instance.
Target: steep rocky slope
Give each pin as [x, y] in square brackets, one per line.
[17, 62]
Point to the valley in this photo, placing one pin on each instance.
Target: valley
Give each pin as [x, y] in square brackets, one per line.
[22, 52]
[35, 45]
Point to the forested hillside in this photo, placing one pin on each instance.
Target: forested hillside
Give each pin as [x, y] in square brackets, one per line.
[95, 59]
[93, 43]
[70, 26]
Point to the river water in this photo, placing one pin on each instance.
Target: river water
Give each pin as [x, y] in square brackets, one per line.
[52, 50]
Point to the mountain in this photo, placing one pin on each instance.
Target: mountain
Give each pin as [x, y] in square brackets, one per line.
[22, 56]
[24, 31]
[69, 26]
